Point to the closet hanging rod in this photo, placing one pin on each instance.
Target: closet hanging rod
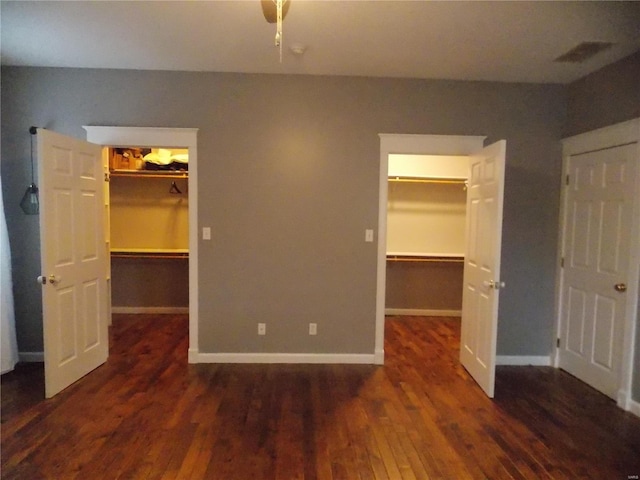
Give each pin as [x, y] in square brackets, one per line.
[415, 258]
[453, 181]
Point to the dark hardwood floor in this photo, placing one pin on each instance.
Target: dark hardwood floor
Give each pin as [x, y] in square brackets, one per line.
[147, 414]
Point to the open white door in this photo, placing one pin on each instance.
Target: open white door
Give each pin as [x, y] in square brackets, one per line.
[597, 270]
[481, 285]
[74, 261]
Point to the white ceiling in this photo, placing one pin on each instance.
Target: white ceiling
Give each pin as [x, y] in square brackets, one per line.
[476, 40]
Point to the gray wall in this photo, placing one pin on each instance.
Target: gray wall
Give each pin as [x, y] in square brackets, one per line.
[606, 97]
[288, 181]
[149, 282]
[424, 285]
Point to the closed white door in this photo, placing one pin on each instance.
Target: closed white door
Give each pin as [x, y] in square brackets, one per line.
[74, 261]
[597, 227]
[481, 284]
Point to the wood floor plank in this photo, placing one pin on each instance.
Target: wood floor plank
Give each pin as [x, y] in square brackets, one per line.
[148, 414]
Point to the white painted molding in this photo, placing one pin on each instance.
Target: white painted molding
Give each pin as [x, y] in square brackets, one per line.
[619, 134]
[166, 137]
[154, 310]
[316, 358]
[634, 407]
[31, 357]
[141, 136]
[193, 355]
[524, 360]
[422, 312]
[379, 357]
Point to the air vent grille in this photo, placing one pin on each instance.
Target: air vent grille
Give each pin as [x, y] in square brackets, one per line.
[583, 52]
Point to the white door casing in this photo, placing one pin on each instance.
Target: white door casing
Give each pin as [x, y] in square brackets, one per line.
[481, 283]
[170, 138]
[73, 259]
[599, 246]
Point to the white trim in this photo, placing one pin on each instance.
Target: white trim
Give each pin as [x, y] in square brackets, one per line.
[624, 133]
[522, 360]
[192, 355]
[634, 407]
[614, 135]
[406, 144]
[154, 310]
[422, 312]
[166, 137]
[31, 357]
[316, 358]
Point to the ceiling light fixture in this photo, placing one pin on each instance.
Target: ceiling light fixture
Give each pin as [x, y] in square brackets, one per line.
[274, 12]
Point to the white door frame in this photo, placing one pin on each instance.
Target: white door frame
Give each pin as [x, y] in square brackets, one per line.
[624, 133]
[167, 137]
[406, 144]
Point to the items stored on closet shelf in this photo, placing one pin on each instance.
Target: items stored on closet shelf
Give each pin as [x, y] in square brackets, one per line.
[126, 158]
[154, 159]
[164, 159]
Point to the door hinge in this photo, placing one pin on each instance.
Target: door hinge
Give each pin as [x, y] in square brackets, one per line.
[567, 179]
[562, 262]
[558, 342]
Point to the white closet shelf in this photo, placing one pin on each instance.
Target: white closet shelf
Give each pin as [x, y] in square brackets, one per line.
[453, 181]
[149, 173]
[149, 253]
[419, 257]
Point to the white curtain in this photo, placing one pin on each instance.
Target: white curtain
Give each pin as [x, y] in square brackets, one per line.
[8, 343]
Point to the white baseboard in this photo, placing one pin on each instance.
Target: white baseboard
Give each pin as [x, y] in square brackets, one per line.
[379, 357]
[31, 357]
[154, 310]
[193, 355]
[522, 360]
[341, 358]
[423, 312]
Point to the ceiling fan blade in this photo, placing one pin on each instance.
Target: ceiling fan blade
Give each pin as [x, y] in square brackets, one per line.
[269, 10]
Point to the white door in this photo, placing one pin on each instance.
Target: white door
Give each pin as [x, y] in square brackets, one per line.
[481, 284]
[597, 226]
[74, 261]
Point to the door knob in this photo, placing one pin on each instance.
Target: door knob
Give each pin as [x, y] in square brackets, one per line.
[492, 284]
[52, 279]
[620, 287]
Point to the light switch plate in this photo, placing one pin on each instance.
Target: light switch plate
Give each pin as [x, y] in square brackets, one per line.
[368, 235]
[206, 233]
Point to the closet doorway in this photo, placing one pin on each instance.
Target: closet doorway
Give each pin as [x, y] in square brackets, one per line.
[482, 253]
[171, 192]
[148, 229]
[426, 234]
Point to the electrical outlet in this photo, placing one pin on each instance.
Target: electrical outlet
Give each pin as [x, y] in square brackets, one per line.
[262, 329]
[313, 329]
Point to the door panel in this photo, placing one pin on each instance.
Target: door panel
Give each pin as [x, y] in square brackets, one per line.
[599, 204]
[480, 295]
[74, 260]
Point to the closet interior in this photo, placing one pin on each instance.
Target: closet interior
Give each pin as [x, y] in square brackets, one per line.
[148, 211]
[426, 215]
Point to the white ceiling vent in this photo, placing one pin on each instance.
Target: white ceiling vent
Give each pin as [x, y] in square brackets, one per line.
[583, 51]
